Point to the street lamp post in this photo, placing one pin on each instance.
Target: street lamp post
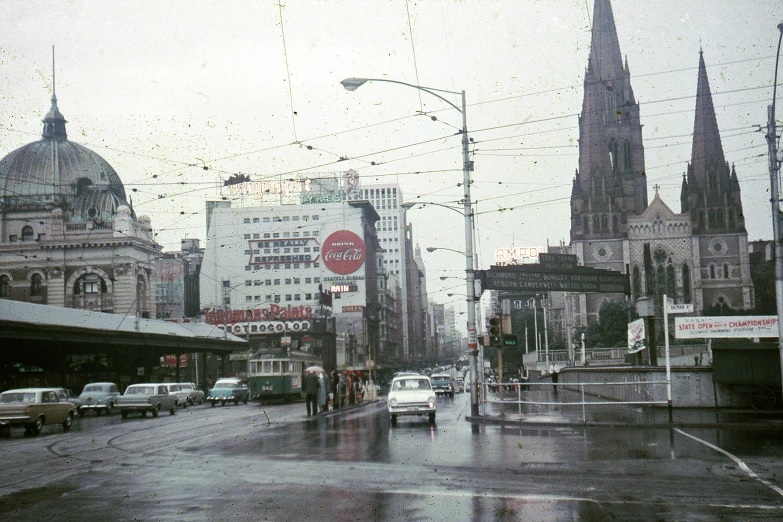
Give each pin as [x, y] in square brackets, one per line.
[775, 199]
[352, 84]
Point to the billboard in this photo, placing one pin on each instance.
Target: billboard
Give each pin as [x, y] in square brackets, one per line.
[343, 252]
[726, 326]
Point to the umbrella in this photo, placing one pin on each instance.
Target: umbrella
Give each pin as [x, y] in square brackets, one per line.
[315, 369]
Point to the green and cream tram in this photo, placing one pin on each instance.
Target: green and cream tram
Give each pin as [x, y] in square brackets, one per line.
[277, 374]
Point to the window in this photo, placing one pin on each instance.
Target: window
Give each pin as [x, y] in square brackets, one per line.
[287, 297]
[246, 220]
[255, 220]
[613, 153]
[288, 280]
[28, 234]
[5, 286]
[726, 273]
[257, 282]
[627, 154]
[248, 298]
[36, 285]
[637, 282]
[686, 284]
[712, 271]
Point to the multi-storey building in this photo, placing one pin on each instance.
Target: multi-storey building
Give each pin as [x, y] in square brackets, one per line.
[266, 269]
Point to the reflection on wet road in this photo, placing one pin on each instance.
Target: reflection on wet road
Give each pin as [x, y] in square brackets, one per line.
[272, 462]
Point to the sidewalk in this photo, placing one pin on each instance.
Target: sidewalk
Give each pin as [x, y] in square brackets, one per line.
[562, 414]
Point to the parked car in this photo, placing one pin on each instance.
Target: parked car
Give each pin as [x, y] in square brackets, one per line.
[459, 385]
[228, 390]
[176, 390]
[195, 396]
[35, 407]
[411, 395]
[148, 397]
[66, 395]
[98, 397]
[442, 384]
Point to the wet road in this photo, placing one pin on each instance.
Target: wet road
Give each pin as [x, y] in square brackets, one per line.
[272, 463]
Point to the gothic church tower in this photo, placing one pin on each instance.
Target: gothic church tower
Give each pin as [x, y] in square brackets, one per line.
[610, 183]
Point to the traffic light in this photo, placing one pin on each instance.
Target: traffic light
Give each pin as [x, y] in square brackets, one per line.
[495, 331]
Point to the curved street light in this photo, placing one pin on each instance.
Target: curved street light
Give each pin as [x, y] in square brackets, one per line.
[351, 84]
[775, 199]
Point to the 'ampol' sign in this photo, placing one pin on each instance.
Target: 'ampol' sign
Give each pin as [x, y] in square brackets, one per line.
[726, 326]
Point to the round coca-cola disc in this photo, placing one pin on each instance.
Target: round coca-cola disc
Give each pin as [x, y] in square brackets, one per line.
[343, 252]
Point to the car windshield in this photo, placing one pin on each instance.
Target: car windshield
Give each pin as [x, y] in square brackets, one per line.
[229, 385]
[140, 390]
[411, 384]
[185, 387]
[18, 397]
[440, 380]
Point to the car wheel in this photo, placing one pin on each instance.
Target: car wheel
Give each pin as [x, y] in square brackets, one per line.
[156, 410]
[109, 408]
[80, 412]
[68, 421]
[144, 413]
[185, 404]
[124, 414]
[236, 401]
[246, 399]
[394, 420]
[432, 418]
[173, 409]
[36, 427]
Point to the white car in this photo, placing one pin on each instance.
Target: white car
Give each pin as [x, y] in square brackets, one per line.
[176, 390]
[411, 395]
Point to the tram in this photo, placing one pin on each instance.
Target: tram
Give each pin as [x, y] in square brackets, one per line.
[277, 374]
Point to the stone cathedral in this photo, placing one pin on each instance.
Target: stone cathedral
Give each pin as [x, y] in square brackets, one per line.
[699, 255]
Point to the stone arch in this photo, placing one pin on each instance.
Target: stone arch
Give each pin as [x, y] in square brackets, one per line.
[89, 270]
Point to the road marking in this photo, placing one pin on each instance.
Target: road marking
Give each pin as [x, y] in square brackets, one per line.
[744, 467]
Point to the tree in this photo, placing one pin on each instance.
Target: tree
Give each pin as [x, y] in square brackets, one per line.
[612, 327]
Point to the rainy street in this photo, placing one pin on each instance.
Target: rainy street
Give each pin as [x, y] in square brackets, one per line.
[251, 462]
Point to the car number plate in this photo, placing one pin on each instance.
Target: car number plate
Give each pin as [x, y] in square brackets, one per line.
[413, 408]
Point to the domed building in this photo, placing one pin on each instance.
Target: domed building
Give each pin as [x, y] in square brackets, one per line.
[68, 235]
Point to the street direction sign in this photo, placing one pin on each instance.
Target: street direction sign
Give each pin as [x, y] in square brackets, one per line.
[679, 308]
[535, 278]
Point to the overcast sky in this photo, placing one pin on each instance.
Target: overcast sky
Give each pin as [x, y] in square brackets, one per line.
[165, 89]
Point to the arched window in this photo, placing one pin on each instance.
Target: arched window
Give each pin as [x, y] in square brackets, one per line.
[614, 153]
[36, 285]
[637, 282]
[5, 286]
[27, 233]
[585, 224]
[627, 154]
[615, 224]
[686, 284]
[605, 222]
[726, 274]
[671, 289]
[712, 271]
[660, 281]
[89, 284]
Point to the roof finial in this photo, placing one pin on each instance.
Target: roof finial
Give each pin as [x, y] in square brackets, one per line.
[54, 97]
[656, 187]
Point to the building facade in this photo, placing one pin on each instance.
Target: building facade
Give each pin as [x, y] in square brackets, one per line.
[69, 237]
[699, 256]
[266, 270]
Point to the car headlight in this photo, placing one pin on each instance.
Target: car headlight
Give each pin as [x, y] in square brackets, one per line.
[392, 402]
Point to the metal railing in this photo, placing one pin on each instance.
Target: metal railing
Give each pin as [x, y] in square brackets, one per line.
[512, 393]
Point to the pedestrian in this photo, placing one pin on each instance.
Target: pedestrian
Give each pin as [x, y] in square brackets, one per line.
[334, 380]
[322, 387]
[554, 371]
[358, 388]
[342, 390]
[310, 389]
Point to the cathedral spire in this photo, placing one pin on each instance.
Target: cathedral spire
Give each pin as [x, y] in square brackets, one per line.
[707, 151]
[604, 45]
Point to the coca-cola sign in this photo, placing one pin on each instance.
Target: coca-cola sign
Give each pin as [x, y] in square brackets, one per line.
[343, 252]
